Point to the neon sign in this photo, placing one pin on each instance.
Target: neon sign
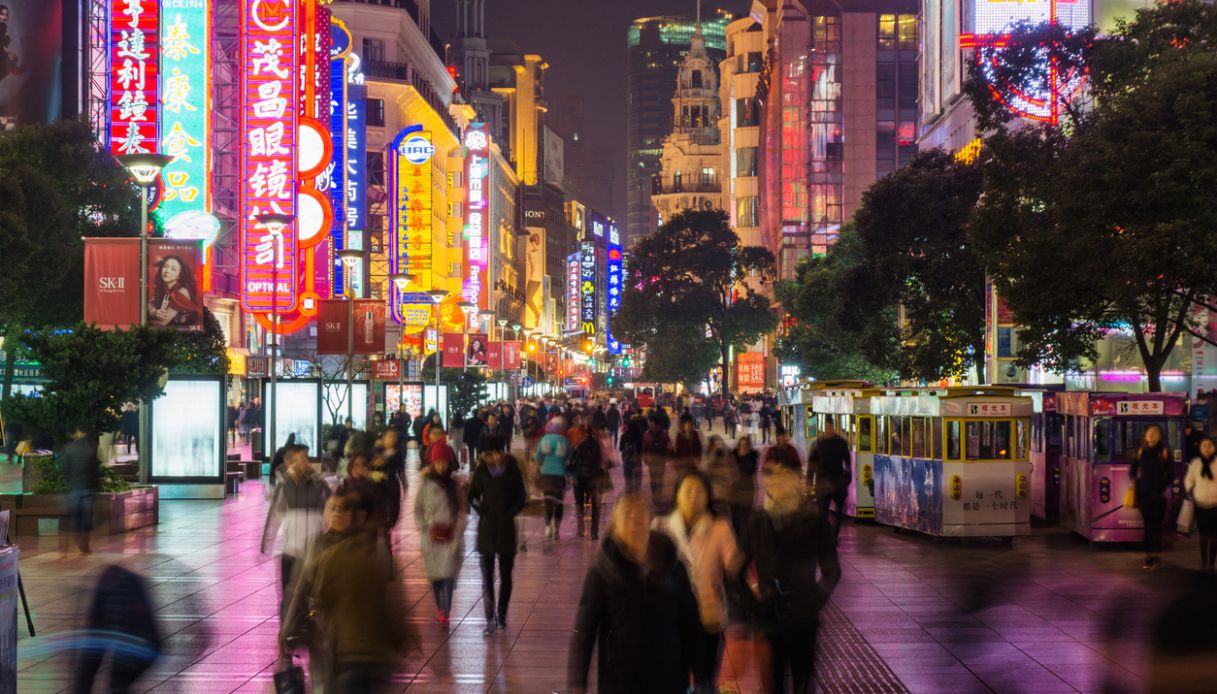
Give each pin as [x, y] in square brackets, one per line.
[269, 122]
[587, 288]
[573, 264]
[185, 40]
[332, 181]
[614, 269]
[477, 212]
[410, 180]
[134, 76]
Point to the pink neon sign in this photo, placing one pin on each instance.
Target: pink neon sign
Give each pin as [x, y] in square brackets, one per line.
[134, 57]
[477, 219]
[269, 120]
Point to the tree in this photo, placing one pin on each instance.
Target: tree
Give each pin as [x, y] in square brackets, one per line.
[332, 370]
[91, 374]
[692, 279]
[836, 330]
[466, 387]
[57, 184]
[202, 352]
[912, 227]
[1101, 227]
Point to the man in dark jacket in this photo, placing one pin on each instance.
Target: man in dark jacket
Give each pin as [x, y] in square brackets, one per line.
[787, 542]
[830, 469]
[497, 494]
[82, 471]
[474, 426]
[631, 453]
[656, 448]
[637, 609]
[612, 420]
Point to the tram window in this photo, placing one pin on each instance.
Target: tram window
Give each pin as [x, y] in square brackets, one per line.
[1020, 439]
[1037, 434]
[989, 440]
[866, 439]
[918, 437]
[953, 451]
[935, 434]
[1052, 434]
[881, 427]
[1101, 438]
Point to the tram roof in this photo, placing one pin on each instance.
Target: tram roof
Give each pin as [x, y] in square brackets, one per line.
[1104, 404]
[982, 402]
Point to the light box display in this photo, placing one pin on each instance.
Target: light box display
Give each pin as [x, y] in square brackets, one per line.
[299, 414]
[188, 433]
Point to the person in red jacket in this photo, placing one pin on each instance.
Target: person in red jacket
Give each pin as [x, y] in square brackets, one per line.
[686, 454]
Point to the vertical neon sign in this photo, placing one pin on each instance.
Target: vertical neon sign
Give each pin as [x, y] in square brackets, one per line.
[572, 292]
[134, 83]
[587, 288]
[409, 158]
[269, 120]
[332, 181]
[477, 212]
[614, 271]
[185, 41]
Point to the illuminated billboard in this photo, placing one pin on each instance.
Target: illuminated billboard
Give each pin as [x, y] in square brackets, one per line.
[134, 75]
[992, 17]
[410, 163]
[269, 122]
[613, 289]
[185, 39]
[477, 212]
[573, 265]
[333, 181]
[587, 288]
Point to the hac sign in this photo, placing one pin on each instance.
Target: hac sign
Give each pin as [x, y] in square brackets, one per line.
[417, 150]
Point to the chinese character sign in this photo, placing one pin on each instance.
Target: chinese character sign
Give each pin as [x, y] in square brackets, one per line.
[614, 271]
[573, 265]
[134, 79]
[332, 181]
[587, 288]
[356, 156]
[185, 39]
[410, 162]
[269, 119]
[477, 212]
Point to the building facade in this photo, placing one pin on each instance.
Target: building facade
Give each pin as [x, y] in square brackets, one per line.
[656, 48]
[739, 123]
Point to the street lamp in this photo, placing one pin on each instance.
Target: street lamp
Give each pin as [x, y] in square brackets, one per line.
[144, 168]
[437, 295]
[467, 308]
[401, 280]
[350, 259]
[275, 223]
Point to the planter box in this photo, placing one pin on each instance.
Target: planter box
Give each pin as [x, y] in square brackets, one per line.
[113, 513]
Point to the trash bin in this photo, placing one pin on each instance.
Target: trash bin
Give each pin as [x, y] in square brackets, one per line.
[255, 445]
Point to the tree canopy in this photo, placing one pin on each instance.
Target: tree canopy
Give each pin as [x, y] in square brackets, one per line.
[693, 285]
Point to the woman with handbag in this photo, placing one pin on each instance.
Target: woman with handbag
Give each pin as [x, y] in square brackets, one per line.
[1152, 477]
[440, 516]
[1202, 492]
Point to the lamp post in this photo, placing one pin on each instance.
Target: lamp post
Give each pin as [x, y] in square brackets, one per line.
[400, 281]
[437, 295]
[350, 259]
[144, 168]
[275, 223]
[467, 309]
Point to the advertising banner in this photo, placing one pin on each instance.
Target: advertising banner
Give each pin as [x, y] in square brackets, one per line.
[587, 289]
[368, 333]
[534, 295]
[386, 369]
[410, 215]
[31, 66]
[503, 355]
[412, 401]
[332, 181]
[454, 350]
[174, 293]
[614, 270]
[111, 282]
[475, 351]
[750, 371]
[185, 38]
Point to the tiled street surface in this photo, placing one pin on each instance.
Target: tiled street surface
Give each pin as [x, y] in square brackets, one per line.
[911, 613]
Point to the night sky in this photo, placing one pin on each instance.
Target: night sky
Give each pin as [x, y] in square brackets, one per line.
[584, 43]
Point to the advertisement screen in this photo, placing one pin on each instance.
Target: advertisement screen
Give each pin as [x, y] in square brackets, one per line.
[413, 398]
[299, 413]
[336, 403]
[188, 432]
[174, 298]
[31, 34]
[997, 16]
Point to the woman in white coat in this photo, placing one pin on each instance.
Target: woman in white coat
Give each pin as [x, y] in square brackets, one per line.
[1201, 486]
[440, 516]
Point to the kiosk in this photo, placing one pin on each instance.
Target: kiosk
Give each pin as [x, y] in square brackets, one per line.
[1100, 437]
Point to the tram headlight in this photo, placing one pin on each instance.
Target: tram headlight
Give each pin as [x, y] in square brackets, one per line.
[1020, 485]
[1104, 489]
[956, 487]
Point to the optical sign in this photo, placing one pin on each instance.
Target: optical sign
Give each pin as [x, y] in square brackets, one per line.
[134, 76]
[269, 120]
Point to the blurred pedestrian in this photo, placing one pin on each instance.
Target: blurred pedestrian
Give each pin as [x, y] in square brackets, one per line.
[440, 517]
[765, 420]
[276, 460]
[830, 470]
[720, 469]
[705, 544]
[589, 471]
[1152, 477]
[121, 624]
[551, 455]
[631, 453]
[783, 548]
[81, 469]
[687, 450]
[637, 610]
[295, 512]
[497, 494]
[783, 452]
[612, 420]
[656, 448]
[1201, 488]
[743, 490]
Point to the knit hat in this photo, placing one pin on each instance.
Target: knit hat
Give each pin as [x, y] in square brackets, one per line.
[555, 426]
[442, 451]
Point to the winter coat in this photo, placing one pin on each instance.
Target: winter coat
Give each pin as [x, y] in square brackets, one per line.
[612, 419]
[587, 460]
[497, 500]
[432, 507]
[473, 431]
[642, 620]
[743, 490]
[830, 463]
[709, 554]
[551, 454]
[1202, 489]
[631, 441]
[295, 507]
[1152, 472]
[80, 466]
[786, 551]
[687, 452]
[719, 466]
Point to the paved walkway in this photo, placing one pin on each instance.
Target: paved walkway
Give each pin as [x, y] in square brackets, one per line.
[911, 613]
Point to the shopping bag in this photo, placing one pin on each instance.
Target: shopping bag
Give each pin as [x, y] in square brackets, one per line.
[1187, 513]
[290, 680]
[1130, 498]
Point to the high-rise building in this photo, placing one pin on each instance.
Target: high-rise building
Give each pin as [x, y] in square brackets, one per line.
[739, 122]
[469, 57]
[839, 99]
[656, 48]
[690, 173]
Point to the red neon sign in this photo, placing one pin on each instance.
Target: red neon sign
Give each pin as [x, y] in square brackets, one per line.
[134, 60]
[269, 121]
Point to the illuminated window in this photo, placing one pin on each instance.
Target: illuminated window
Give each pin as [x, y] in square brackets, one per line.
[707, 176]
[746, 212]
[745, 161]
[887, 31]
[907, 32]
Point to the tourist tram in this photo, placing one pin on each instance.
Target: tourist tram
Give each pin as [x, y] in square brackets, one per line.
[796, 410]
[849, 409]
[1045, 454]
[953, 462]
[1101, 433]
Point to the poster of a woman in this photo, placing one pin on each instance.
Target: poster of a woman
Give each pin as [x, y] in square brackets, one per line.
[174, 299]
[477, 350]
